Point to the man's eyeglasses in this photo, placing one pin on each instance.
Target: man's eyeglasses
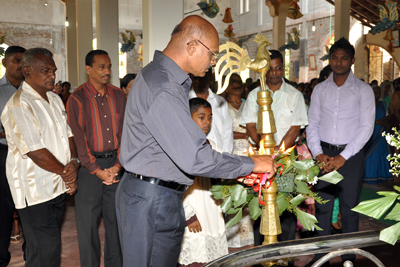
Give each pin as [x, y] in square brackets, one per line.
[216, 55]
[277, 69]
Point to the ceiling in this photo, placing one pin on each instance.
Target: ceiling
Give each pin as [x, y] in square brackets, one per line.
[367, 11]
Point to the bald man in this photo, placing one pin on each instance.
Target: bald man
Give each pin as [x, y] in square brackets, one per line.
[162, 148]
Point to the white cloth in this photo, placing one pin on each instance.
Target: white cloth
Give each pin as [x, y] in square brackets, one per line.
[288, 108]
[240, 146]
[221, 128]
[241, 234]
[210, 243]
[31, 123]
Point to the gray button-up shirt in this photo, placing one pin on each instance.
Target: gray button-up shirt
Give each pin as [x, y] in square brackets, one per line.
[6, 91]
[159, 137]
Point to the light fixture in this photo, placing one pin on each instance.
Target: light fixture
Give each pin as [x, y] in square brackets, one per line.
[313, 27]
[45, 4]
[66, 22]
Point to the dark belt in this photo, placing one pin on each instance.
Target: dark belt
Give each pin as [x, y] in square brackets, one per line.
[107, 154]
[333, 147]
[156, 181]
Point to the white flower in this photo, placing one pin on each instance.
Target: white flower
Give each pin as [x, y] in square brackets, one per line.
[314, 181]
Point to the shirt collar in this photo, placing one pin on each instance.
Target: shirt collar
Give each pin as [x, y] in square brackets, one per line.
[4, 80]
[281, 89]
[349, 80]
[169, 65]
[32, 92]
[93, 90]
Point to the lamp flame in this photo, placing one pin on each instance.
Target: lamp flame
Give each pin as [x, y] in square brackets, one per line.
[287, 151]
[251, 150]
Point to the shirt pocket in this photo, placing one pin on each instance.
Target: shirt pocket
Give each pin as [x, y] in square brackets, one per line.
[285, 119]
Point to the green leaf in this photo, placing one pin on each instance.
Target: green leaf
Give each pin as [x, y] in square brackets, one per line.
[232, 210]
[387, 193]
[235, 219]
[391, 234]
[236, 191]
[307, 220]
[282, 203]
[302, 187]
[241, 200]
[297, 200]
[397, 188]
[375, 208]
[216, 191]
[394, 214]
[301, 176]
[227, 204]
[256, 216]
[304, 165]
[332, 177]
[254, 206]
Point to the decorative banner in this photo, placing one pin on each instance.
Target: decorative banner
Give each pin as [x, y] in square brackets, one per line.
[294, 10]
[326, 56]
[227, 17]
[293, 43]
[209, 9]
[387, 22]
[129, 43]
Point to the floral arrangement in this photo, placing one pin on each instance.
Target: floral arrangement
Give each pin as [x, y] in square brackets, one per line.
[377, 208]
[293, 179]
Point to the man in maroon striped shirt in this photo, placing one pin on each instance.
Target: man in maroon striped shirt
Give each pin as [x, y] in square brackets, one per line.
[95, 115]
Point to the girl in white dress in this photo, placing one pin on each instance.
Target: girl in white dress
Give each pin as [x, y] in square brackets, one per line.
[204, 239]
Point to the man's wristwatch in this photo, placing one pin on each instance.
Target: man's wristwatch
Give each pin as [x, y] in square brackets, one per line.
[77, 160]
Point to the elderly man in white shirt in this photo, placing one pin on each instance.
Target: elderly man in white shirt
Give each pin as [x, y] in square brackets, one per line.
[221, 128]
[290, 115]
[41, 162]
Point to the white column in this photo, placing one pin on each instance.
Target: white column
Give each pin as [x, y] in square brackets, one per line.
[342, 19]
[70, 43]
[157, 25]
[84, 36]
[107, 31]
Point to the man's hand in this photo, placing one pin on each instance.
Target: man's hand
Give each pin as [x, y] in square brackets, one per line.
[264, 164]
[72, 187]
[114, 170]
[335, 163]
[195, 227]
[107, 177]
[70, 172]
[322, 158]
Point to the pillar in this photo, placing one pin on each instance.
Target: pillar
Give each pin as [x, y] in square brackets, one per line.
[107, 32]
[157, 27]
[84, 36]
[278, 9]
[70, 44]
[342, 19]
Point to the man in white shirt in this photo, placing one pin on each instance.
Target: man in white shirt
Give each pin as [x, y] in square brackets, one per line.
[221, 128]
[41, 162]
[290, 115]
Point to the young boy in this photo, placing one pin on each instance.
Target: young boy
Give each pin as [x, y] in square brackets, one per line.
[204, 239]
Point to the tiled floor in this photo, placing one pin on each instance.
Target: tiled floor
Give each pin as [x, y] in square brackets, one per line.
[70, 253]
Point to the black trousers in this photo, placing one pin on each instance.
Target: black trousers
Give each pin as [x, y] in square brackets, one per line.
[349, 193]
[92, 199]
[151, 223]
[41, 224]
[6, 210]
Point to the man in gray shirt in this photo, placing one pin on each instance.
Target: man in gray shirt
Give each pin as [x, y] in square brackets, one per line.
[162, 148]
[9, 84]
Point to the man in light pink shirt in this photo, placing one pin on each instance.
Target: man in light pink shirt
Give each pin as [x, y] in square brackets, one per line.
[341, 120]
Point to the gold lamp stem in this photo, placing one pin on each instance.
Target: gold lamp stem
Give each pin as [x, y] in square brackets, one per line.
[270, 223]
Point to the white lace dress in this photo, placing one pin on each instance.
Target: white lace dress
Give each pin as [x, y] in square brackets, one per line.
[241, 234]
[210, 243]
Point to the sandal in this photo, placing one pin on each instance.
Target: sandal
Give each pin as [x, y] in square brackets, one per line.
[15, 239]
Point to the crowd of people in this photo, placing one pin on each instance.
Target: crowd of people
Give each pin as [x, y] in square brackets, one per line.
[142, 155]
